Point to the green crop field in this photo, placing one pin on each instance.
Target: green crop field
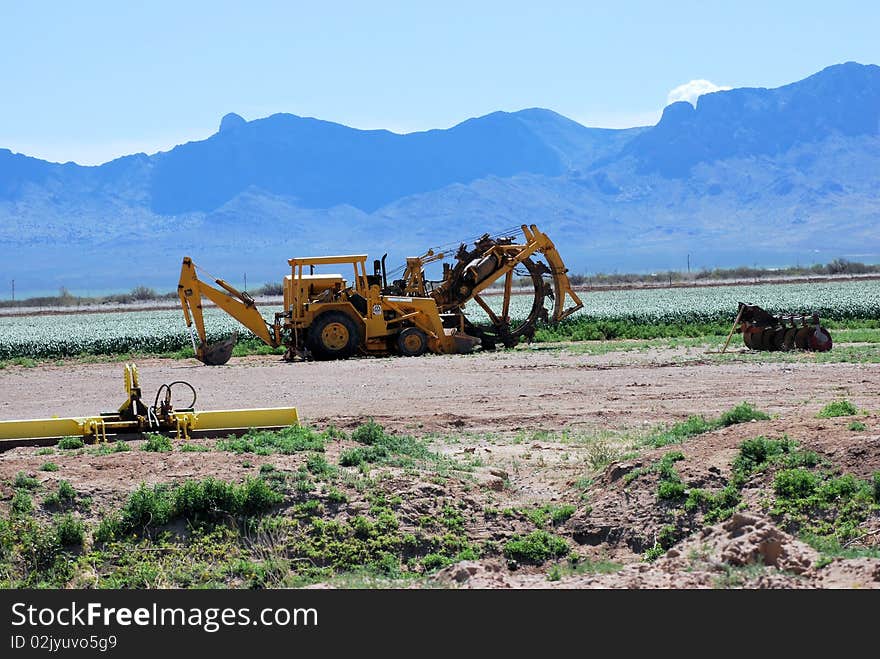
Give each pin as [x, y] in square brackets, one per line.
[606, 314]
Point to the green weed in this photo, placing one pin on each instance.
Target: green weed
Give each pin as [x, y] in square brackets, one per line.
[536, 547]
[69, 530]
[837, 408]
[696, 425]
[22, 503]
[70, 443]
[286, 441]
[157, 443]
[26, 482]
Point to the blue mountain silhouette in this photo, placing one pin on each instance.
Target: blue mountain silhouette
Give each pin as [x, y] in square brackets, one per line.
[749, 175]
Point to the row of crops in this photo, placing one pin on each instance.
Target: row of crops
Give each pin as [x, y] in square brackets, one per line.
[164, 331]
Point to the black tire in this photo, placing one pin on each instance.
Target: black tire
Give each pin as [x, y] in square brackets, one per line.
[333, 335]
[412, 342]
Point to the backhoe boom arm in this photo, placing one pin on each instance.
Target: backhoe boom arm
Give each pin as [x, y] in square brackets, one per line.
[239, 305]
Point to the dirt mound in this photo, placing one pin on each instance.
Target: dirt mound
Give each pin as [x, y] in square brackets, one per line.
[749, 540]
[746, 551]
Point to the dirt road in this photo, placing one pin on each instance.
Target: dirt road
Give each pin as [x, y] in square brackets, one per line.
[529, 389]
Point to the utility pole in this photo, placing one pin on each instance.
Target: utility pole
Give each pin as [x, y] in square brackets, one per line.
[245, 282]
[689, 263]
[13, 290]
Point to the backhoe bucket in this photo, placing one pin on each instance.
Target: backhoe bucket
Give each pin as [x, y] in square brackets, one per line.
[217, 354]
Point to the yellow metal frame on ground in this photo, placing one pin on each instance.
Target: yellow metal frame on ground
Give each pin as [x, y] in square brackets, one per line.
[99, 427]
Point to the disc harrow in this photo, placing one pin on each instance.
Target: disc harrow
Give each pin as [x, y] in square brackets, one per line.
[762, 330]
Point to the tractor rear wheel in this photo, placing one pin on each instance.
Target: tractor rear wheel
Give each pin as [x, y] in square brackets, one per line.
[333, 335]
[412, 342]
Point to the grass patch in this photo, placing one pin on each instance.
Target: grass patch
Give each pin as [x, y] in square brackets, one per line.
[583, 328]
[815, 503]
[26, 362]
[70, 443]
[670, 486]
[654, 552]
[48, 466]
[384, 448]
[697, 425]
[758, 454]
[286, 441]
[190, 447]
[63, 497]
[157, 443]
[66, 493]
[755, 455]
[824, 505]
[69, 530]
[540, 515]
[837, 408]
[197, 502]
[600, 454]
[24, 481]
[716, 506]
[857, 426]
[536, 547]
[334, 495]
[317, 465]
[830, 548]
[742, 413]
[22, 504]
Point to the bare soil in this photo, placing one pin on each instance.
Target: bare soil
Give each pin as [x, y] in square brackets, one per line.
[544, 425]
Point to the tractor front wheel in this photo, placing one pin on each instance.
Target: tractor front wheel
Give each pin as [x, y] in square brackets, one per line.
[412, 342]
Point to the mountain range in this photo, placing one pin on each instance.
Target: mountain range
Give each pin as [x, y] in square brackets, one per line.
[747, 176]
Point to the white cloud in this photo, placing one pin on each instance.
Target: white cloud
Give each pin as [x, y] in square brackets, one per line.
[691, 91]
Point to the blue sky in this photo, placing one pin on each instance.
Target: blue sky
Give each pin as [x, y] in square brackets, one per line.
[88, 81]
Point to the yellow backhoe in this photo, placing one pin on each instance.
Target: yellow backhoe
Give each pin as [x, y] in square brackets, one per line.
[326, 316]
